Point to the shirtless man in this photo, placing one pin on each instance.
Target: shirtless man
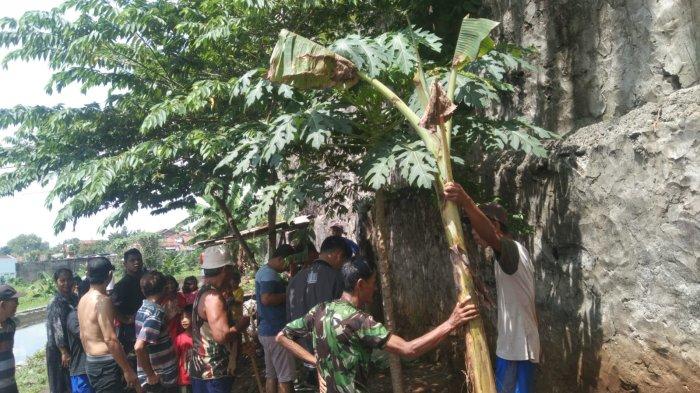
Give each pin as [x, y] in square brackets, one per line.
[106, 364]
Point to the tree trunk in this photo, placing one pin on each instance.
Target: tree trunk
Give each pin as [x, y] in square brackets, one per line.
[381, 239]
[234, 230]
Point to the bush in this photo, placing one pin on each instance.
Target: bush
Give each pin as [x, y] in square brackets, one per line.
[179, 262]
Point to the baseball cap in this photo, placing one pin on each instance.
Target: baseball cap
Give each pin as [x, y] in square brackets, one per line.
[216, 256]
[7, 293]
[496, 212]
[284, 251]
[98, 269]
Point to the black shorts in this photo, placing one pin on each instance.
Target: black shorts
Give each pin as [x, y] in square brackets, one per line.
[104, 374]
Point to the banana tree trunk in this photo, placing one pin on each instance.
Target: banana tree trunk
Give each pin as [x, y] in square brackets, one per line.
[477, 359]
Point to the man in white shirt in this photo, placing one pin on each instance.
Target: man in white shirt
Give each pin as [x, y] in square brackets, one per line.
[518, 343]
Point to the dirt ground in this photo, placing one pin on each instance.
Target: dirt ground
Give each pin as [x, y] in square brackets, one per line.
[419, 377]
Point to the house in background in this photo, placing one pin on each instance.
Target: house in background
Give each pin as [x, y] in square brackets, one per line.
[8, 266]
[175, 240]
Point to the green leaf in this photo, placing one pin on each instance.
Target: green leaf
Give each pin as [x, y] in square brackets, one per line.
[403, 55]
[284, 130]
[365, 53]
[416, 164]
[380, 171]
[304, 64]
[472, 32]
[319, 124]
[426, 38]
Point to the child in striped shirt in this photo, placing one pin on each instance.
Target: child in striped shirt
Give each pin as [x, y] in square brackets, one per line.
[155, 353]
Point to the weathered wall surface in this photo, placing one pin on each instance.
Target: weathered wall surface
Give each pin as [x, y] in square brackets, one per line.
[599, 59]
[616, 213]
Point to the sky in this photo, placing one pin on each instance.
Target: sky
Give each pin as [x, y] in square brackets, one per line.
[25, 212]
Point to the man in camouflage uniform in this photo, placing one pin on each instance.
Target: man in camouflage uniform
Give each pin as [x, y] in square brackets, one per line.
[344, 335]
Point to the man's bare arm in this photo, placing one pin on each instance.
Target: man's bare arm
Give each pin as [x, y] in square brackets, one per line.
[462, 313]
[273, 299]
[215, 314]
[481, 224]
[105, 318]
[145, 362]
[295, 349]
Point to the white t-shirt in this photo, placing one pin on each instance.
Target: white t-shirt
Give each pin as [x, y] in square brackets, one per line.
[518, 338]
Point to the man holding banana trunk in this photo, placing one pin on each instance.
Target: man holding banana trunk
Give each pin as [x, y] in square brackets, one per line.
[518, 344]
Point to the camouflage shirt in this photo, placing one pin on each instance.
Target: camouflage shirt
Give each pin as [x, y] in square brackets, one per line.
[343, 339]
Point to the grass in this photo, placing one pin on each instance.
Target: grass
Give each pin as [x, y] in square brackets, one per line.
[29, 302]
[31, 376]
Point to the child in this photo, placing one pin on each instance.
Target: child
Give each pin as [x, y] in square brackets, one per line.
[173, 302]
[235, 302]
[157, 363]
[190, 289]
[183, 345]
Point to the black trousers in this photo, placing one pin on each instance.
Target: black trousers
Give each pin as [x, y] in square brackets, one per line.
[59, 378]
[104, 374]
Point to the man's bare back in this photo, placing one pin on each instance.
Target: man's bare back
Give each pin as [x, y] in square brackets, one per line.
[93, 308]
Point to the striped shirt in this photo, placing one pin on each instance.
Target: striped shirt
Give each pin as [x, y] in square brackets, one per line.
[7, 357]
[152, 328]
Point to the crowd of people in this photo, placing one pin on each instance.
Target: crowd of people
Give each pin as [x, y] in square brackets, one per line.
[148, 335]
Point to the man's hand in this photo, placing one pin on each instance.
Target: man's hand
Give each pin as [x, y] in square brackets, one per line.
[464, 311]
[455, 193]
[242, 324]
[131, 381]
[152, 379]
[65, 358]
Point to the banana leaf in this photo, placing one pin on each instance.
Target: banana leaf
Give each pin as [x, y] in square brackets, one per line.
[472, 32]
[304, 64]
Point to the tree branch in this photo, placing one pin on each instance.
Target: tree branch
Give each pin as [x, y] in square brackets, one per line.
[234, 229]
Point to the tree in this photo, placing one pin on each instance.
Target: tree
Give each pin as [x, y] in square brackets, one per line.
[190, 113]
[305, 64]
[146, 242]
[31, 247]
[95, 247]
[186, 91]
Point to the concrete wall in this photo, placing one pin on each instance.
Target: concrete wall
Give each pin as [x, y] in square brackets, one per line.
[29, 271]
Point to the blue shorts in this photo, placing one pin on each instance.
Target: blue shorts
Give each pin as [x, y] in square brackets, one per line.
[80, 384]
[514, 376]
[219, 385]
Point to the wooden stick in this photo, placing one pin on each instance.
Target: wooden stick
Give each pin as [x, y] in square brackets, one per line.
[258, 381]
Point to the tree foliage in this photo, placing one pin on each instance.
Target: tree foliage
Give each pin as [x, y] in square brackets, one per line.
[30, 247]
[190, 113]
